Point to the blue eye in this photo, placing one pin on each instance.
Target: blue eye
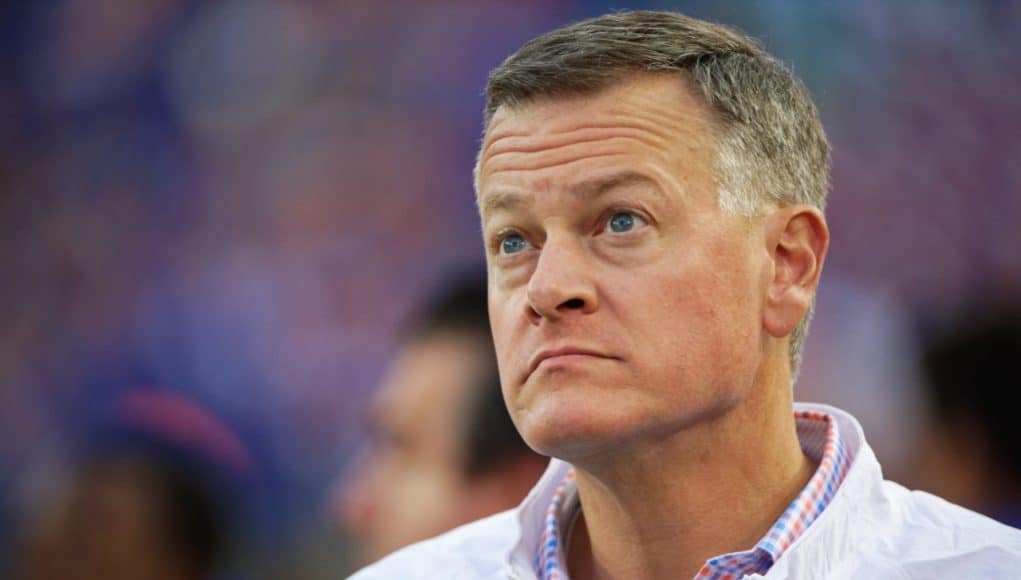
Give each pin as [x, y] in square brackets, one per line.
[621, 222]
[513, 244]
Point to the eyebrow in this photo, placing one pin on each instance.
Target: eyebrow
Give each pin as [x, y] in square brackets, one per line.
[587, 190]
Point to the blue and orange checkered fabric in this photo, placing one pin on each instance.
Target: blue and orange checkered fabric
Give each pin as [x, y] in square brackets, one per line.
[820, 441]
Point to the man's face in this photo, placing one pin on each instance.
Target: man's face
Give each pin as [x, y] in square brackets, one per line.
[625, 304]
[411, 485]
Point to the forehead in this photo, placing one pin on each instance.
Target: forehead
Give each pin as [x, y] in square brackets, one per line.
[646, 118]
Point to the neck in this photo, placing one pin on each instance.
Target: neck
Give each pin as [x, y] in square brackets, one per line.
[662, 510]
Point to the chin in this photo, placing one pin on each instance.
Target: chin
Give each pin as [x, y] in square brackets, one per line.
[574, 428]
[566, 428]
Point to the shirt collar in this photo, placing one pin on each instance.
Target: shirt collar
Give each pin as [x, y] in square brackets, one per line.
[554, 506]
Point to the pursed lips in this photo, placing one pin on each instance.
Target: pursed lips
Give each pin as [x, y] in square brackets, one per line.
[547, 354]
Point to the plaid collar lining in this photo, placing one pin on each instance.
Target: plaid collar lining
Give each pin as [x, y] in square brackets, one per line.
[820, 441]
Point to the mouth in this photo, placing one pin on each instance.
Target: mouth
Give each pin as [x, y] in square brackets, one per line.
[562, 354]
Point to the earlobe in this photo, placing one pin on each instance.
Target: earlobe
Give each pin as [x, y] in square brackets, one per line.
[799, 239]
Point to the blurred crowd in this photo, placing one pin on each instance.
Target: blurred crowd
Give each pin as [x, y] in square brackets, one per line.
[216, 216]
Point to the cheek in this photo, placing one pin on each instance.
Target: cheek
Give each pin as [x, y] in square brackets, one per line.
[506, 320]
[703, 322]
[501, 346]
[497, 315]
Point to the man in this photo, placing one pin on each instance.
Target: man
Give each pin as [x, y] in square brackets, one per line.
[651, 191]
[443, 449]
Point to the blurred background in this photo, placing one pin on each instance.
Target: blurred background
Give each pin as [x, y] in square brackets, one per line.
[215, 214]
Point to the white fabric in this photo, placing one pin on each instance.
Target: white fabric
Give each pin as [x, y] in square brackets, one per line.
[871, 529]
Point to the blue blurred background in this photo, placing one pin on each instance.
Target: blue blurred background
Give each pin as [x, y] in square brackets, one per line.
[234, 203]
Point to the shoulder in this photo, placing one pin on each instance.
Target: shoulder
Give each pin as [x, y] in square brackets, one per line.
[878, 529]
[929, 537]
[476, 550]
[944, 521]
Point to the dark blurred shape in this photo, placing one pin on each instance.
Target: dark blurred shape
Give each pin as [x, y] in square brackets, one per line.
[443, 450]
[149, 499]
[128, 517]
[969, 450]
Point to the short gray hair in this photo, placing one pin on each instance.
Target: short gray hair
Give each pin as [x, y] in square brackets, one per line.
[771, 147]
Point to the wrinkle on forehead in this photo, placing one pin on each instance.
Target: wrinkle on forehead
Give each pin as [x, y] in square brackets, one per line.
[658, 112]
[521, 142]
[562, 156]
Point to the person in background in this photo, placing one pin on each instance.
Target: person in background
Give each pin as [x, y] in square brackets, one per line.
[148, 499]
[127, 517]
[970, 447]
[442, 449]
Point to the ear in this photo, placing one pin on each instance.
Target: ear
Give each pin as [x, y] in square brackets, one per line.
[798, 238]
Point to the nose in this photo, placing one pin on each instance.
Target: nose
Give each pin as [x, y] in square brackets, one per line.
[561, 282]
